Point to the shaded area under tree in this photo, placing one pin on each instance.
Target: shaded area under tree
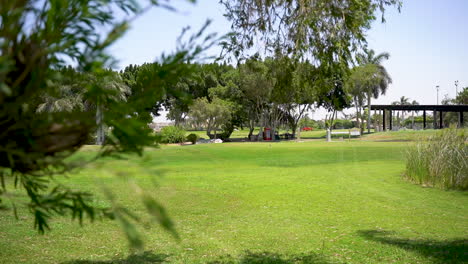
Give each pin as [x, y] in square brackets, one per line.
[444, 251]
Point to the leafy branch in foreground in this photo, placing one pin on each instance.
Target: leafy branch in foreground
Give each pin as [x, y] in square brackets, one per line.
[324, 31]
[37, 134]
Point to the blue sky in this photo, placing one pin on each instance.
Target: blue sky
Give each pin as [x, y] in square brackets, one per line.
[427, 41]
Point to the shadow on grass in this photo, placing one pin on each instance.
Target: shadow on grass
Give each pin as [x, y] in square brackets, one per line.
[448, 251]
[146, 257]
[271, 258]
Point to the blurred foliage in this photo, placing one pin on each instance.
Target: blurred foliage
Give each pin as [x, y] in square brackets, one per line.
[48, 110]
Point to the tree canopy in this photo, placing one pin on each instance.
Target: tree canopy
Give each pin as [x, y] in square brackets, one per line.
[325, 31]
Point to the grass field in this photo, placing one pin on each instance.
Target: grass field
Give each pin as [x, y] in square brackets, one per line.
[406, 135]
[243, 134]
[288, 202]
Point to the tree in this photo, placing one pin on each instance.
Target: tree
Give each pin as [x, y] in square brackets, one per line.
[402, 101]
[294, 91]
[384, 79]
[357, 85]
[36, 39]
[71, 94]
[66, 94]
[212, 115]
[256, 86]
[462, 97]
[414, 102]
[197, 85]
[332, 93]
[327, 31]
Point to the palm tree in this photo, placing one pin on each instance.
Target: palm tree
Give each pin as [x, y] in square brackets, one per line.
[117, 91]
[414, 102]
[384, 78]
[74, 94]
[403, 101]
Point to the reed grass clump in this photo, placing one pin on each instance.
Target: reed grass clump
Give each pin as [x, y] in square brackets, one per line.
[440, 161]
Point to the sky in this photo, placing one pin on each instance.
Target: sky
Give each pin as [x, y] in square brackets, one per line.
[427, 42]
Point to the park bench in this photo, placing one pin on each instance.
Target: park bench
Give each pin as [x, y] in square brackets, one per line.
[350, 133]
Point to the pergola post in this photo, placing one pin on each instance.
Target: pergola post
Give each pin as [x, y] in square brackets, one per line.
[460, 119]
[441, 125]
[424, 119]
[383, 120]
[375, 121]
[390, 121]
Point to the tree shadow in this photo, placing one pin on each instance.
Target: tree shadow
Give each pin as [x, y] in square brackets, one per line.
[271, 258]
[146, 257]
[446, 251]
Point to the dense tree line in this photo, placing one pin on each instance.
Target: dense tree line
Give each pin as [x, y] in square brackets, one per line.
[270, 92]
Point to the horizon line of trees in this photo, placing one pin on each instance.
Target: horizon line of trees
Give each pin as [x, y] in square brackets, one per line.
[275, 92]
[272, 92]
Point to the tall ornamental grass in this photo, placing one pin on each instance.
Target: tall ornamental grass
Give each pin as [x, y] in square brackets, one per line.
[440, 161]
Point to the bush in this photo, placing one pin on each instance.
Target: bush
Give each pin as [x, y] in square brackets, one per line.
[193, 138]
[172, 134]
[342, 124]
[441, 161]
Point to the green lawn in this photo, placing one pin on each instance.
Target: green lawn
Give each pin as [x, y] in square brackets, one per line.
[288, 202]
[243, 134]
[404, 135]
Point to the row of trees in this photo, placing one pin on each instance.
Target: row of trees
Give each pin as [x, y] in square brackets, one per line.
[271, 92]
[266, 93]
[279, 91]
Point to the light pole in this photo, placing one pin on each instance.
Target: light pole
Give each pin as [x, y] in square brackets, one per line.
[437, 88]
[456, 88]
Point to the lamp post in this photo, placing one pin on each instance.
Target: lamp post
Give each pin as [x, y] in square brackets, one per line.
[437, 88]
[456, 88]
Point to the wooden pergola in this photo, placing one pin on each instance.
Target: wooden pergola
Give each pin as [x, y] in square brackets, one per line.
[434, 108]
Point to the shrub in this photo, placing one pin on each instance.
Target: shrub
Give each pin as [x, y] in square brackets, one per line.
[307, 129]
[342, 124]
[193, 138]
[172, 134]
[441, 161]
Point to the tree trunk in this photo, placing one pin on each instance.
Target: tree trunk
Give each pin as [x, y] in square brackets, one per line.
[100, 135]
[368, 112]
[251, 129]
[358, 114]
[329, 126]
[402, 118]
[398, 119]
[293, 130]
